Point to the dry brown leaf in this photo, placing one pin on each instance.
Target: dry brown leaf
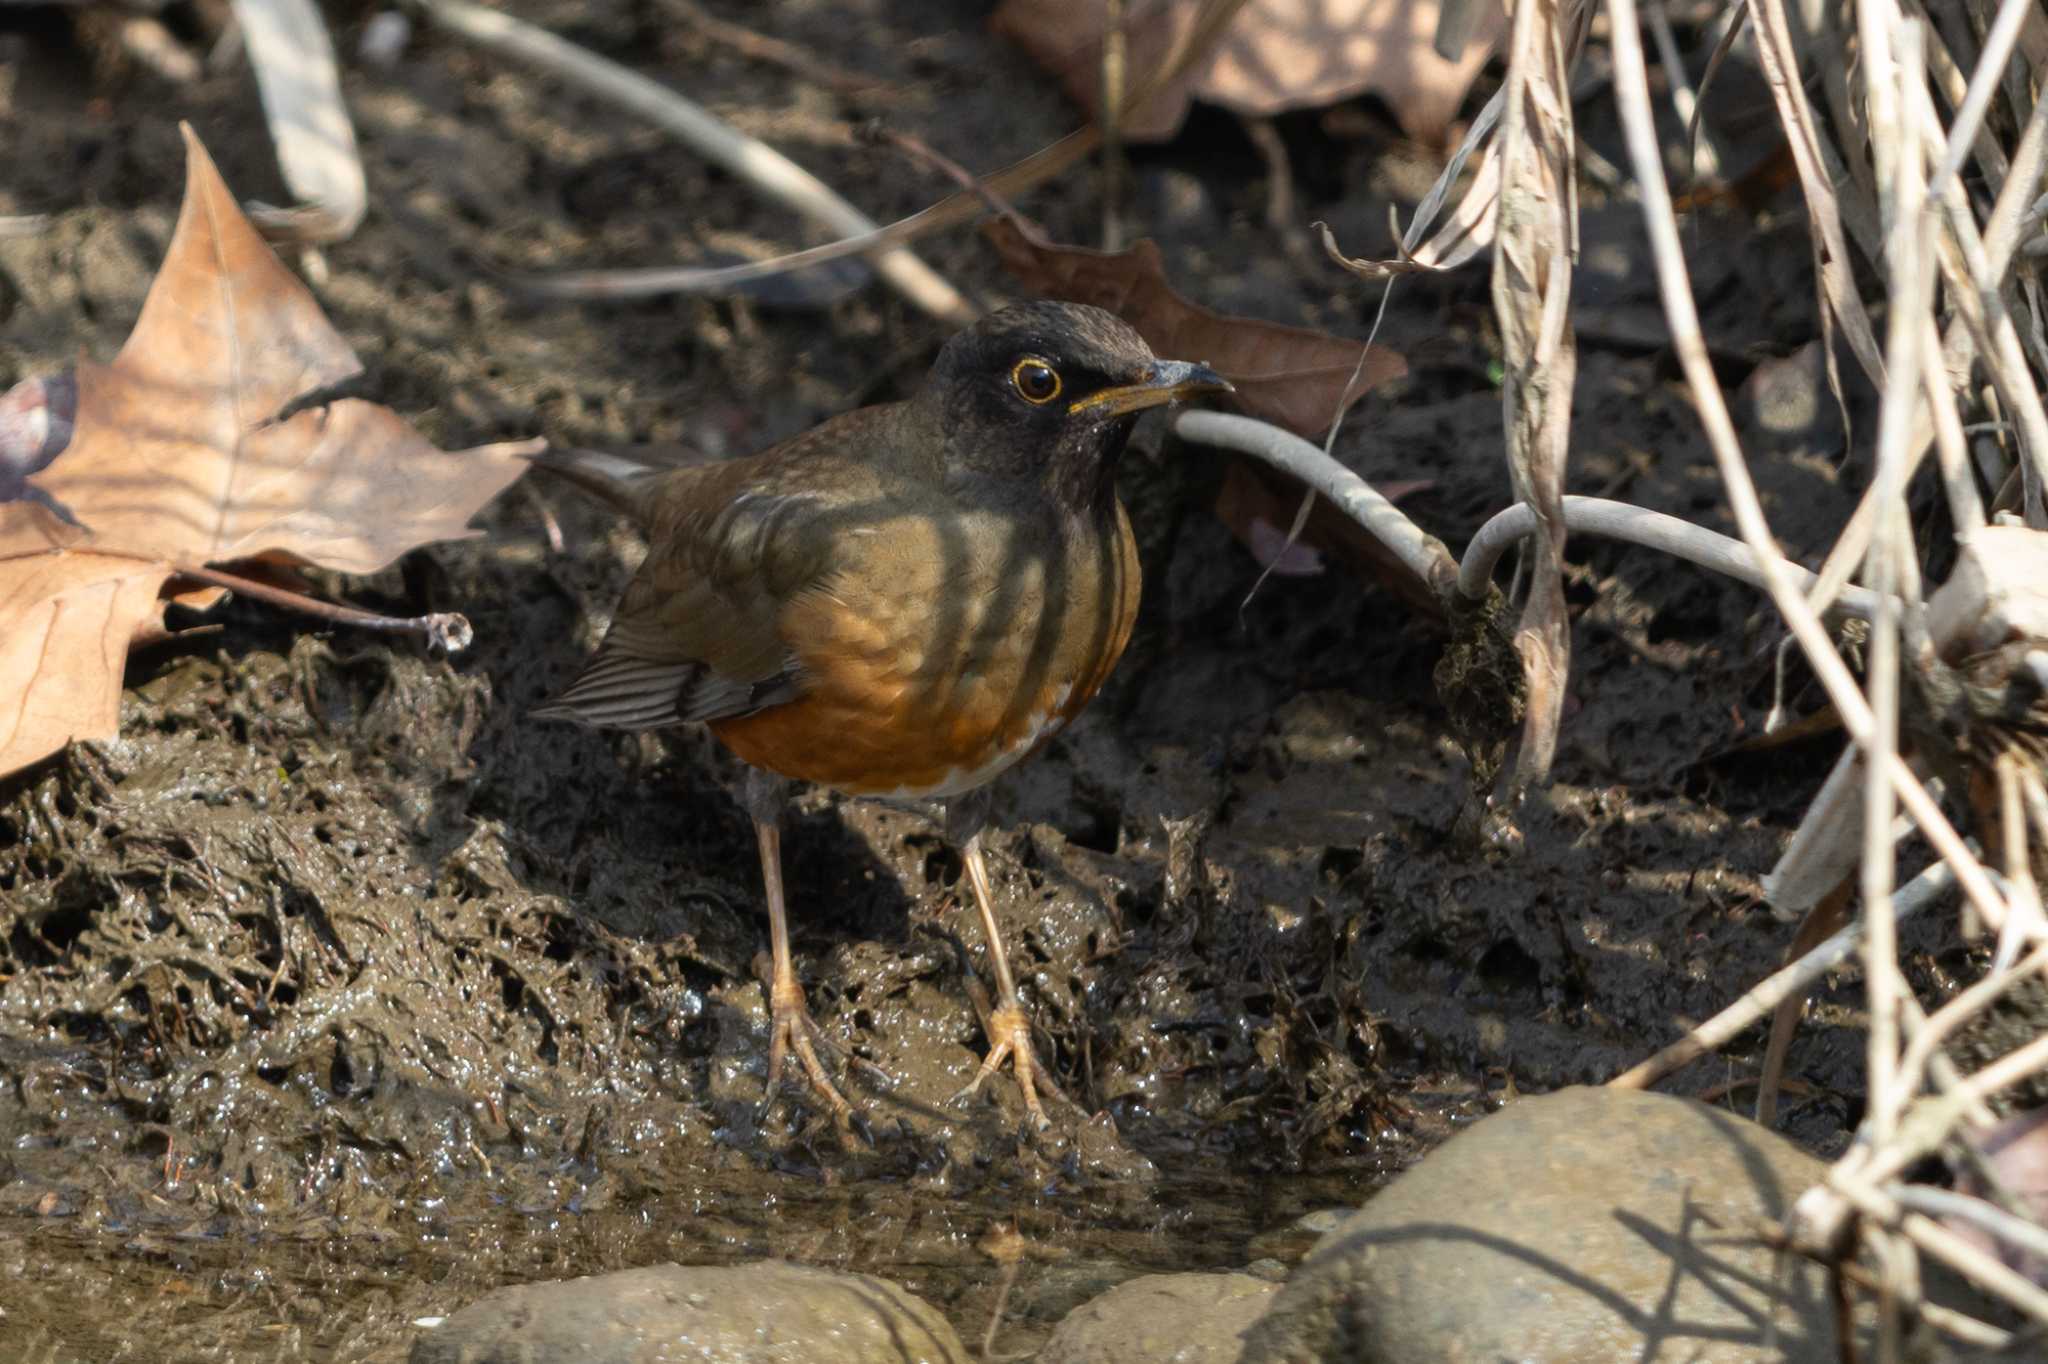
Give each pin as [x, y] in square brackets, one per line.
[186, 451]
[1290, 376]
[65, 623]
[1275, 55]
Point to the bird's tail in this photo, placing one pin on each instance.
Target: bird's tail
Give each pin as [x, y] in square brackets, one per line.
[616, 480]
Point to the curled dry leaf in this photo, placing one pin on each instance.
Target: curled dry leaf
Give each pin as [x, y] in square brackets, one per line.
[1290, 376]
[205, 441]
[1532, 272]
[1275, 55]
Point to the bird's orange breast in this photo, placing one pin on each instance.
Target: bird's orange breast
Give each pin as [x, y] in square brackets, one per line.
[943, 655]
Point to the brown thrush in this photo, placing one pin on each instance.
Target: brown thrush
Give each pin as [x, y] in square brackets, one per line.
[904, 601]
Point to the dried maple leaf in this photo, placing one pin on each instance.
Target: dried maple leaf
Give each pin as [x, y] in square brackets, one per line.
[1290, 376]
[205, 441]
[1275, 55]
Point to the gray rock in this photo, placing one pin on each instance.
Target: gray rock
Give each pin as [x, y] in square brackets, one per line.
[764, 1313]
[1589, 1224]
[1162, 1319]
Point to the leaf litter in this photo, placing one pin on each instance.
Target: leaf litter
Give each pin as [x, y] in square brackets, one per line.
[212, 438]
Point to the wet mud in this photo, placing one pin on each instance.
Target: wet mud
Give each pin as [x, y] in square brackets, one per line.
[337, 991]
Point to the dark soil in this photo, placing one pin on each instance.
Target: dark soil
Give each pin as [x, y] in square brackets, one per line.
[337, 992]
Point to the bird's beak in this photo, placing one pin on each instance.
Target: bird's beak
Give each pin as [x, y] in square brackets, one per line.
[1171, 381]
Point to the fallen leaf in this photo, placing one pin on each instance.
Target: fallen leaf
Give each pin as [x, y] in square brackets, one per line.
[1275, 55]
[65, 624]
[1290, 376]
[206, 441]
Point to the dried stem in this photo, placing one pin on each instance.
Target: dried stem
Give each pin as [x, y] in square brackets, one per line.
[442, 630]
[1631, 87]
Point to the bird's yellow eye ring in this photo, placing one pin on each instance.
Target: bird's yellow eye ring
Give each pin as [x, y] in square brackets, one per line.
[1036, 381]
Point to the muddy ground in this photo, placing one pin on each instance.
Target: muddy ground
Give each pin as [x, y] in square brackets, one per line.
[337, 991]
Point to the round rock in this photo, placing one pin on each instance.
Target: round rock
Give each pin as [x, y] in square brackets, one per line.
[1162, 1319]
[765, 1313]
[1589, 1224]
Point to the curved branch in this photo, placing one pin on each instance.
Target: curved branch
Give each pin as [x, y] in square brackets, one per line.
[1638, 526]
[1431, 562]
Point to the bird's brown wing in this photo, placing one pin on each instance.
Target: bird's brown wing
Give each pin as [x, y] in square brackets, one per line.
[695, 636]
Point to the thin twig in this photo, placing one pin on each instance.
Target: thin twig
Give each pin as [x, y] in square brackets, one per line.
[2015, 1231]
[1964, 1006]
[917, 148]
[448, 630]
[2021, 1063]
[763, 48]
[1706, 162]
[1998, 46]
[1901, 169]
[1983, 1269]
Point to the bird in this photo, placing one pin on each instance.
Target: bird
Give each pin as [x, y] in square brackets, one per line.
[902, 602]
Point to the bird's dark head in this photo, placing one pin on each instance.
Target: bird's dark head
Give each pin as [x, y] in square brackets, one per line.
[1049, 392]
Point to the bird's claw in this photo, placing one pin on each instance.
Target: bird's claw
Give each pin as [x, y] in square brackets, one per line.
[792, 1031]
[1009, 1038]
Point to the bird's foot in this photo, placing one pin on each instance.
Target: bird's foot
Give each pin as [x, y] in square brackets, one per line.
[792, 1031]
[1009, 1038]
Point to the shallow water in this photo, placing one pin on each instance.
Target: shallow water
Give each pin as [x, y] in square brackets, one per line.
[154, 1283]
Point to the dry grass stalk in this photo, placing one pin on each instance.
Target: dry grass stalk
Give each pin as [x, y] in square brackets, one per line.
[1930, 237]
[1840, 303]
[1532, 275]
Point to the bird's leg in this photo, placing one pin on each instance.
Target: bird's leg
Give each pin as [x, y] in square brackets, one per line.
[790, 1027]
[1009, 1028]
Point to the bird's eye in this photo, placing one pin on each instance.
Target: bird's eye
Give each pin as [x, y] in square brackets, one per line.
[1035, 380]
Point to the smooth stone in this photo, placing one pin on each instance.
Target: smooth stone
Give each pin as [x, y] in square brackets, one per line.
[1322, 1221]
[1589, 1224]
[1162, 1319]
[770, 1312]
